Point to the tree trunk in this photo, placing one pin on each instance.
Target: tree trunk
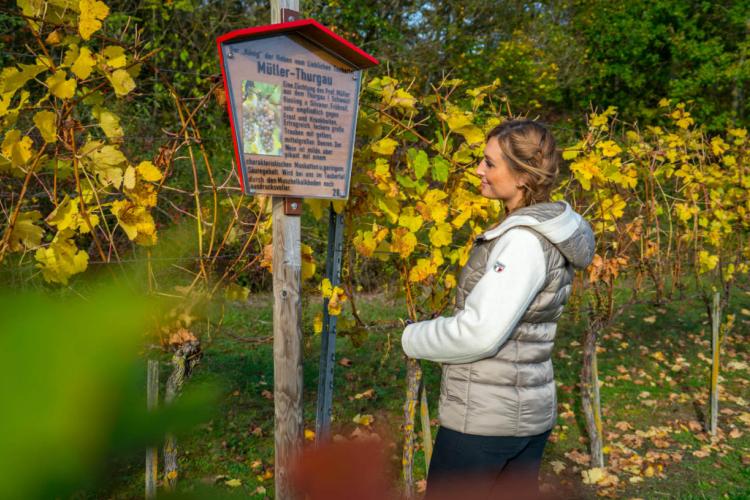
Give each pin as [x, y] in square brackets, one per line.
[413, 380]
[590, 394]
[184, 359]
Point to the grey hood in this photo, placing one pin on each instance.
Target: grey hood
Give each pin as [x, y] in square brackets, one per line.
[559, 223]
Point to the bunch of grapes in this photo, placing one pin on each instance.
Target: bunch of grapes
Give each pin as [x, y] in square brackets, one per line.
[265, 119]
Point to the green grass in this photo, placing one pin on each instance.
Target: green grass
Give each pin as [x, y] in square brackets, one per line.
[241, 432]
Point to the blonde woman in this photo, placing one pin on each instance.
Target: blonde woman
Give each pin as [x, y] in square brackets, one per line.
[497, 395]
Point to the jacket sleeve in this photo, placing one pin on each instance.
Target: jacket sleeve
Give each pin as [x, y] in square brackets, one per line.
[492, 309]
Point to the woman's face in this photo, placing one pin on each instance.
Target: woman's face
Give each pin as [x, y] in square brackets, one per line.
[499, 182]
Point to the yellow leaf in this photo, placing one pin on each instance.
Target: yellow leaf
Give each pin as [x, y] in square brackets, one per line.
[12, 79]
[458, 119]
[148, 171]
[45, 122]
[318, 323]
[339, 205]
[17, 149]
[122, 82]
[450, 281]
[441, 235]
[707, 261]
[365, 420]
[114, 56]
[308, 262]
[309, 435]
[326, 288]
[410, 220]
[403, 242]
[128, 179]
[61, 259]
[233, 483]
[26, 235]
[423, 270]
[84, 64]
[593, 476]
[336, 301]
[67, 216]
[54, 38]
[172, 474]
[60, 87]
[136, 221]
[93, 13]
[110, 124]
[385, 146]
[316, 206]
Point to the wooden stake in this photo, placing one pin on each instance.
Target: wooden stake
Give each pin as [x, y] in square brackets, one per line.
[715, 348]
[424, 413]
[152, 401]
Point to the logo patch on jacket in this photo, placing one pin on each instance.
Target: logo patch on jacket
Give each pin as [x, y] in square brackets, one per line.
[498, 267]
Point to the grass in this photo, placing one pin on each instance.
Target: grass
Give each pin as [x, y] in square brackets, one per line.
[650, 366]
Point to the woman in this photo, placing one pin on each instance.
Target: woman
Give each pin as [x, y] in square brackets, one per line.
[497, 395]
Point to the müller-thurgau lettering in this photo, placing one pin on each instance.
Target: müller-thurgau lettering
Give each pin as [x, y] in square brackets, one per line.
[313, 77]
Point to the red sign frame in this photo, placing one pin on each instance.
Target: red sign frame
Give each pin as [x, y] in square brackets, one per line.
[308, 28]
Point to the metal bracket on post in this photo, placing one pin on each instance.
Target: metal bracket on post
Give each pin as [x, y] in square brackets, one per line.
[288, 15]
[292, 206]
[328, 335]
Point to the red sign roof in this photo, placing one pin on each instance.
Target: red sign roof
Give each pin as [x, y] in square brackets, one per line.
[312, 30]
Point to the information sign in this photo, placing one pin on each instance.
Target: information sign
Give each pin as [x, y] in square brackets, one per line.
[293, 99]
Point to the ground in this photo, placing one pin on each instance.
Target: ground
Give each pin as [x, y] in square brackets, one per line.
[654, 365]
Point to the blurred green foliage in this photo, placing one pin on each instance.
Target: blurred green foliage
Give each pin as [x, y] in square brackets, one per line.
[73, 390]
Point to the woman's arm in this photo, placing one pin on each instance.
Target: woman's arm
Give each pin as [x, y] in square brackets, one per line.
[492, 309]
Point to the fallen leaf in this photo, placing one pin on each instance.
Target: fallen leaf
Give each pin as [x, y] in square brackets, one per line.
[260, 490]
[233, 483]
[649, 319]
[267, 394]
[363, 419]
[558, 466]
[368, 394]
[345, 362]
[309, 435]
[257, 464]
[635, 479]
[421, 485]
[735, 433]
[592, 476]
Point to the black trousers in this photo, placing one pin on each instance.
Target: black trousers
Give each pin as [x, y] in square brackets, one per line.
[469, 467]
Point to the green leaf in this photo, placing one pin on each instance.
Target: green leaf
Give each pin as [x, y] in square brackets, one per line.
[440, 168]
[421, 164]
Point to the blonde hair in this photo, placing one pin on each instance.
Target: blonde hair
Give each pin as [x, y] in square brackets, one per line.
[531, 152]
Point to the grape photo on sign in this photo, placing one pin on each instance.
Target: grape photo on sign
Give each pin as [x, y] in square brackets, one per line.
[261, 118]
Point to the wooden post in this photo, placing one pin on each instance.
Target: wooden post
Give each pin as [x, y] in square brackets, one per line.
[715, 347]
[152, 401]
[287, 317]
[287, 343]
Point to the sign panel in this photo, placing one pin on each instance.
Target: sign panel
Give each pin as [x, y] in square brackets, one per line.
[294, 107]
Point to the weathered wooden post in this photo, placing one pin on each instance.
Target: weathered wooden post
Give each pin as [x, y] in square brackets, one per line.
[292, 95]
[287, 315]
[152, 401]
[715, 348]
